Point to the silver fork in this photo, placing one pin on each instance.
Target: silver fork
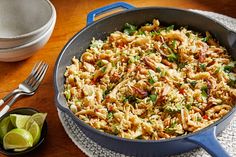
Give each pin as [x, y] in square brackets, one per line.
[27, 87]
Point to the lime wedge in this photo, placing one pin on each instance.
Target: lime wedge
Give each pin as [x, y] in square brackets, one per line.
[39, 118]
[19, 120]
[35, 132]
[17, 139]
[5, 126]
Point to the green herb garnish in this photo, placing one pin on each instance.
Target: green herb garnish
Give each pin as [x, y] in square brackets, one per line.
[193, 84]
[158, 69]
[151, 80]
[206, 39]
[228, 68]
[181, 65]
[103, 69]
[174, 44]
[110, 115]
[204, 90]
[170, 28]
[129, 29]
[217, 70]
[153, 98]
[173, 57]
[202, 67]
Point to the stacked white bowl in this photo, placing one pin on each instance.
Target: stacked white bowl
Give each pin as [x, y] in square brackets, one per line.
[25, 27]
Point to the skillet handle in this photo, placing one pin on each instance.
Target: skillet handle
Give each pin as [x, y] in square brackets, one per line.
[208, 141]
[96, 12]
[233, 43]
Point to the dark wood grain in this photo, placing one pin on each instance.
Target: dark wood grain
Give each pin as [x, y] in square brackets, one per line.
[71, 17]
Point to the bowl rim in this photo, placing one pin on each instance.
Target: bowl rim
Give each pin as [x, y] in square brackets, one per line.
[86, 126]
[37, 30]
[4, 51]
[42, 136]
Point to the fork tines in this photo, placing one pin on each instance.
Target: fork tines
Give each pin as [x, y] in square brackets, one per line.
[36, 75]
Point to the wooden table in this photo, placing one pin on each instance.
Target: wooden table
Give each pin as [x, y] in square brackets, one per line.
[71, 17]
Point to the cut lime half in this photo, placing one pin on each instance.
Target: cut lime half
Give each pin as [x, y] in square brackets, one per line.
[5, 126]
[17, 139]
[19, 120]
[39, 118]
[35, 132]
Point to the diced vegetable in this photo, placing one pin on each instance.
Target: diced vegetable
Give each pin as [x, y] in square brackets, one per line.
[173, 108]
[151, 79]
[228, 68]
[103, 69]
[68, 95]
[202, 67]
[110, 115]
[188, 106]
[217, 70]
[133, 59]
[173, 57]
[193, 84]
[131, 99]
[129, 29]
[153, 97]
[181, 65]
[174, 44]
[171, 27]
[204, 90]
[158, 69]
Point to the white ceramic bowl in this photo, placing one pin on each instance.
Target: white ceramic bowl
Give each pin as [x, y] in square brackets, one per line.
[22, 21]
[27, 50]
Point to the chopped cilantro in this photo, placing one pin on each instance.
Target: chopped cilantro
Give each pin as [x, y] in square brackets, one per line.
[103, 69]
[153, 97]
[217, 70]
[173, 57]
[174, 44]
[171, 27]
[68, 95]
[228, 68]
[231, 83]
[133, 59]
[163, 73]
[170, 130]
[193, 83]
[188, 106]
[140, 32]
[151, 80]
[199, 119]
[139, 137]
[129, 29]
[204, 90]
[173, 108]
[206, 39]
[110, 115]
[131, 99]
[181, 65]
[150, 51]
[158, 69]
[202, 67]
[154, 33]
[99, 63]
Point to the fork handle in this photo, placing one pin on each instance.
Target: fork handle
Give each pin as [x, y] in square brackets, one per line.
[11, 102]
[1, 102]
[4, 110]
[9, 95]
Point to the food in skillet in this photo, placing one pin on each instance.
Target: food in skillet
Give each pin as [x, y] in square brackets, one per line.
[151, 82]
